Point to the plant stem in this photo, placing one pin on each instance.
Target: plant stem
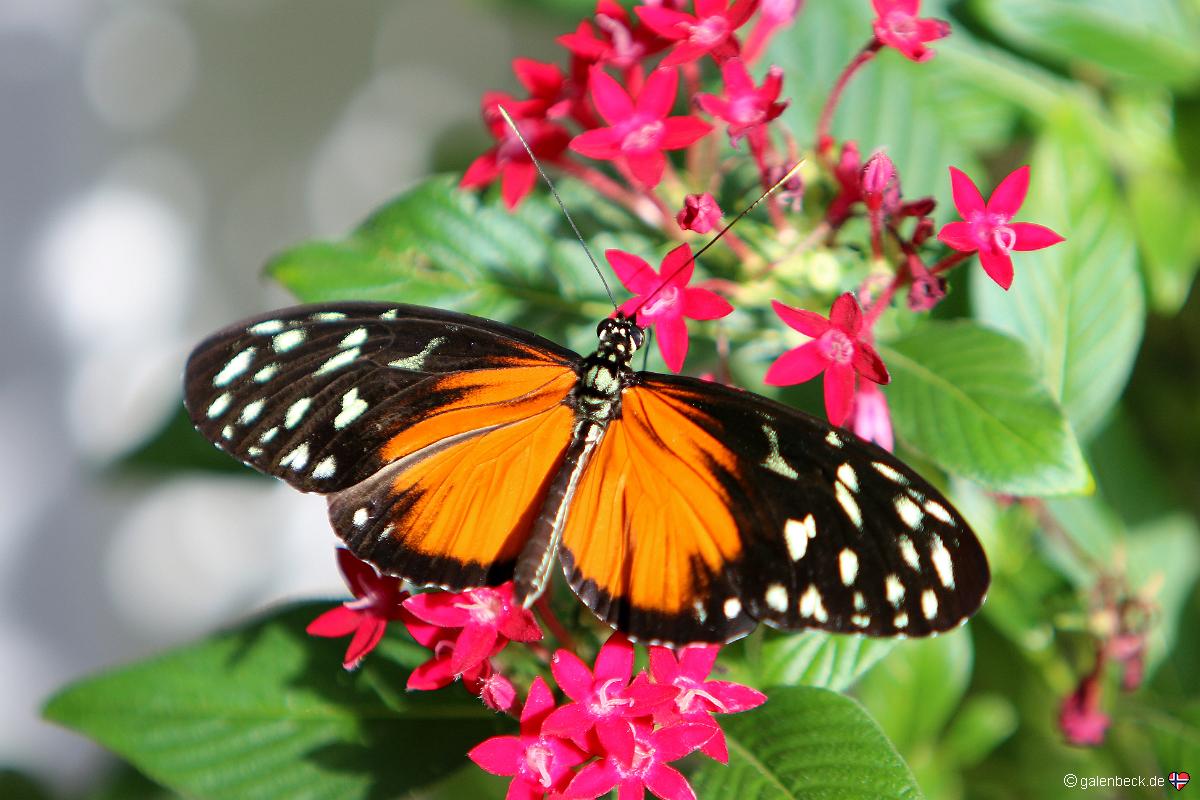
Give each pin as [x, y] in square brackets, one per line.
[557, 629]
[824, 142]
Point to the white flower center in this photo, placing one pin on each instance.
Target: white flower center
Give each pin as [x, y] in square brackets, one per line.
[836, 346]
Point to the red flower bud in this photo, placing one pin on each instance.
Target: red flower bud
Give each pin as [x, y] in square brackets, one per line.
[700, 213]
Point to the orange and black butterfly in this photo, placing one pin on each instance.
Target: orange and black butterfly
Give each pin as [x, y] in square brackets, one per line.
[457, 451]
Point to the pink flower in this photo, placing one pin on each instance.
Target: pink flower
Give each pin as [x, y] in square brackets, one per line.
[870, 418]
[708, 31]
[545, 83]
[497, 693]
[639, 762]
[988, 227]
[837, 348]
[745, 107]
[621, 44]
[773, 15]
[441, 670]
[699, 697]
[896, 25]
[485, 618]
[664, 299]
[377, 601]
[640, 131]
[878, 179]
[605, 702]
[537, 763]
[700, 213]
[1080, 718]
[508, 160]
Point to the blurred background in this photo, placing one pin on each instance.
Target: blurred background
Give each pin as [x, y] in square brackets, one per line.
[154, 154]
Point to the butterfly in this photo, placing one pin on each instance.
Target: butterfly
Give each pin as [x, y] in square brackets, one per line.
[457, 451]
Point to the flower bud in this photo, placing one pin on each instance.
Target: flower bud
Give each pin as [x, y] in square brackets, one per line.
[700, 213]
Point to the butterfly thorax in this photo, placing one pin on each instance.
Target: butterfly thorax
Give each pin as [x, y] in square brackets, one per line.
[604, 374]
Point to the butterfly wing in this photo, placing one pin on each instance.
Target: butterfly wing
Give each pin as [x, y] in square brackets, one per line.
[706, 509]
[433, 433]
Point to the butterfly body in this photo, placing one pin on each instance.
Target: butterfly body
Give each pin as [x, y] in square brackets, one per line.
[457, 451]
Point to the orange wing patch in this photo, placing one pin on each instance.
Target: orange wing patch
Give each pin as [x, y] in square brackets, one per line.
[649, 530]
[455, 504]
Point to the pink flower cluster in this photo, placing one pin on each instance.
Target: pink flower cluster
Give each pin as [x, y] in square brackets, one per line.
[617, 730]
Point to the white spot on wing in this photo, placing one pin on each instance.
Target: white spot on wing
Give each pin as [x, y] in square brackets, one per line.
[282, 342]
[796, 535]
[909, 552]
[848, 504]
[354, 338]
[777, 597]
[860, 602]
[775, 461]
[218, 406]
[328, 316]
[391, 313]
[938, 510]
[701, 612]
[236, 366]
[895, 590]
[266, 373]
[942, 563]
[833, 439]
[296, 412]
[733, 607]
[360, 517]
[892, 474]
[297, 458]
[811, 604]
[254, 452]
[251, 412]
[266, 327]
[929, 604]
[325, 468]
[269, 435]
[848, 565]
[417, 362]
[861, 620]
[227, 432]
[909, 512]
[848, 476]
[901, 620]
[352, 408]
[338, 361]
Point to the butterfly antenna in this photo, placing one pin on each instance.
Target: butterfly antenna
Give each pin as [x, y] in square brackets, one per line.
[561, 204]
[667, 280]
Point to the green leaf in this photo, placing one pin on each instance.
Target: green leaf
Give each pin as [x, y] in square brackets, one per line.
[1077, 305]
[806, 743]
[916, 689]
[969, 399]
[820, 659]
[437, 245]
[268, 712]
[1149, 40]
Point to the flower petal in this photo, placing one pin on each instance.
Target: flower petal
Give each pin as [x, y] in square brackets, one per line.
[611, 99]
[839, 392]
[1006, 200]
[672, 341]
[998, 266]
[647, 167]
[633, 272]
[538, 704]
[369, 632]
[658, 93]
[668, 783]
[472, 647]
[703, 304]
[676, 741]
[340, 621]
[1031, 236]
[809, 323]
[595, 779]
[683, 131]
[958, 236]
[677, 267]
[717, 748]
[499, 755]
[868, 363]
[571, 674]
[696, 661]
[734, 696]
[518, 180]
[615, 660]
[439, 608]
[601, 143]
[616, 737]
[482, 171]
[664, 666]
[666, 22]
[572, 721]
[846, 315]
[797, 365]
[967, 198]
[433, 674]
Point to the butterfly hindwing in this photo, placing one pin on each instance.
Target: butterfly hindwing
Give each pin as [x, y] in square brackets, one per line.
[798, 524]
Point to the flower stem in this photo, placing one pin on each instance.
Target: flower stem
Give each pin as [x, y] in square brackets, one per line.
[638, 205]
[550, 619]
[949, 262]
[824, 142]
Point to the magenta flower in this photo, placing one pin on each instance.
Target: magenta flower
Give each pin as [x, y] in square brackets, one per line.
[441, 670]
[620, 44]
[700, 213]
[838, 349]
[640, 131]
[773, 15]
[879, 180]
[605, 702]
[1080, 719]
[508, 160]
[987, 227]
[377, 601]
[486, 617]
[746, 108]
[870, 418]
[699, 697]
[663, 299]
[896, 25]
[708, 31]
[545, 83]
[639, 762]
[537, 763]
[497, 692]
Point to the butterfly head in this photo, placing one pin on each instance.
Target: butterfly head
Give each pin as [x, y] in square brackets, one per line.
[620, 335]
